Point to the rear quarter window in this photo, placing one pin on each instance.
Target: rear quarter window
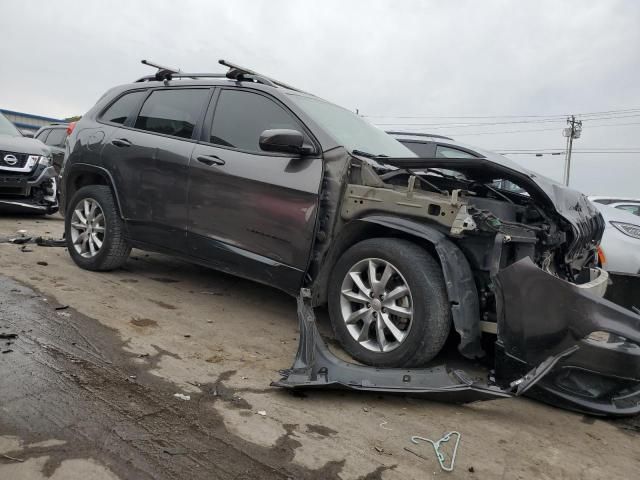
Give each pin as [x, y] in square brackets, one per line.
[123, 107]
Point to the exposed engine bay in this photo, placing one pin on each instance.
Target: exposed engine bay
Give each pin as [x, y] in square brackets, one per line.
[507, 241]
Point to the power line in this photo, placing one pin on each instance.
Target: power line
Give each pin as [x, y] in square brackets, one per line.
[560, 115]
[462, 134]
[479, 124]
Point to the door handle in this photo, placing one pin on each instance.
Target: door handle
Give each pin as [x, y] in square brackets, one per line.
[121, 142]
[210, 160]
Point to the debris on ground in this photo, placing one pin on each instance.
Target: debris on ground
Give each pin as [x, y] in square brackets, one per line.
[8, 336]
[382, 425]
[181, 396]
[25, 249]
[262, 413]
[44, 264]
[50, 242]
[437, 444]
[20, 240]
[62, 307]
[8, 350]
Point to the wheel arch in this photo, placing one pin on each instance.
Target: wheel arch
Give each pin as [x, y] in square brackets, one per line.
[81, 175]
[459, 281]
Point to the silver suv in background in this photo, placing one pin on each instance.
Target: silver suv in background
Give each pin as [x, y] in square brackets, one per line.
[27, 177]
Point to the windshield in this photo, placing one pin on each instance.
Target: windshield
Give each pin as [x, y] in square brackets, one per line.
[354, 132]
[7, 128]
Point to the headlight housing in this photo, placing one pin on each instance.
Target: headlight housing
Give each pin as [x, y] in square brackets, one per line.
[32, 160]
[628, 229]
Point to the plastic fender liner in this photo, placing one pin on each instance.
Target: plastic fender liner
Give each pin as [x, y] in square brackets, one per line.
[460, 285]
[316, 367]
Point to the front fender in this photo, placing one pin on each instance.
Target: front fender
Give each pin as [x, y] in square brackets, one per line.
[460, 284]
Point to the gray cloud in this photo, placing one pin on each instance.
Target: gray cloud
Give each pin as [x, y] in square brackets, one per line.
[382, 57]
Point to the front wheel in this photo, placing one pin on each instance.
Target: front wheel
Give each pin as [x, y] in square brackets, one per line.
[94, 231]
[388, 304]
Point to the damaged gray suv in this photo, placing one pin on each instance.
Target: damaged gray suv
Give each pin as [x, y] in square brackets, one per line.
[247, 175]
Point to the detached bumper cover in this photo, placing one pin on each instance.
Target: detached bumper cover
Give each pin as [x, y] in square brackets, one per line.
[542, 351]
[540, 315]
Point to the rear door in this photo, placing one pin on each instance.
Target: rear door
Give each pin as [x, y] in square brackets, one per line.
[149, 156]
[252, 212]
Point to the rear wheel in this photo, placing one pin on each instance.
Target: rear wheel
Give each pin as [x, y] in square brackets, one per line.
[388, 303]
[95, 232]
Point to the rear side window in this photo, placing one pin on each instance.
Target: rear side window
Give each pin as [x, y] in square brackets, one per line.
[42, 136]
[56, 137]
[241, 117]
[172, 112]
[120, 110]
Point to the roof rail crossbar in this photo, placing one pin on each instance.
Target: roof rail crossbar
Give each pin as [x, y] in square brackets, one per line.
[236, 72]
[163, 73]
[194, 76]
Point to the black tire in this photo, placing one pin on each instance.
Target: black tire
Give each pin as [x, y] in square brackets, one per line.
[431, 320]
[115, 247]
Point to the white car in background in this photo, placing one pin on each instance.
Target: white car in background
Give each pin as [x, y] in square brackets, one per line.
[629, 204]
[620, 246]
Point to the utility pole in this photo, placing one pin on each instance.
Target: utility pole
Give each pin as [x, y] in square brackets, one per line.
[572, 131]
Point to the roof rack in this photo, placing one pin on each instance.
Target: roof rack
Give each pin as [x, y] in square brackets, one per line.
[417, 134]
[235, 72]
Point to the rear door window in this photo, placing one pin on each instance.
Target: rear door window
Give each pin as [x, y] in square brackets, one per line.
[56, 137]
[172, 112]
[241, 117]
[122, 108]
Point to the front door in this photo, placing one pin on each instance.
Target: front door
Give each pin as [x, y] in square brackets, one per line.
[252, 212]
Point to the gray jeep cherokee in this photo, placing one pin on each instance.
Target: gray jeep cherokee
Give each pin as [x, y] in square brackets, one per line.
[247, 175]
[27, 177]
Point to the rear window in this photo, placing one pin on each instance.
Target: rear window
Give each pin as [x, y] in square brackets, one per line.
[42, 136]
[120, 110]
[172, 112]
[56, 137]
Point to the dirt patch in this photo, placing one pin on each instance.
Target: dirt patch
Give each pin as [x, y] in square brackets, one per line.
[321, 430]
[165, 280]
[162, 304]
[143, 322]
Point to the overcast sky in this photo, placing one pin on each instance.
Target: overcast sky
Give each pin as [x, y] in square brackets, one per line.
[385, 58]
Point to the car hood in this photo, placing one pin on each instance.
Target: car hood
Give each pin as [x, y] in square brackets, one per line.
[28, 145]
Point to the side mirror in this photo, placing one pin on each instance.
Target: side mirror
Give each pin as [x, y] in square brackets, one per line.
[283, 140]
[28, 134]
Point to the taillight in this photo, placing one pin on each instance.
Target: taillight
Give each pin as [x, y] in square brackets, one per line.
[70, 127]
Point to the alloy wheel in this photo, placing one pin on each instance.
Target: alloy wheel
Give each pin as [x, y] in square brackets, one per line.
[88, 227]
[376, 305]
